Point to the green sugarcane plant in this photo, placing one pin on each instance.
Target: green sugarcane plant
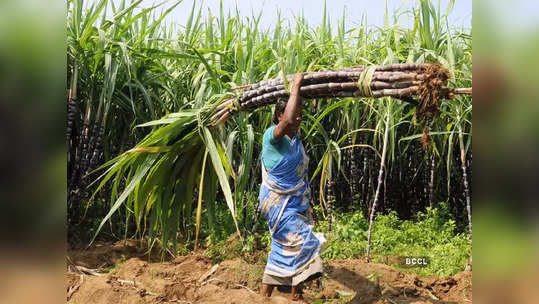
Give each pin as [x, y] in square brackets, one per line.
[151, 142]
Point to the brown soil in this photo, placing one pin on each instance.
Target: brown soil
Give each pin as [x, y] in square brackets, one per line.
[131, 277]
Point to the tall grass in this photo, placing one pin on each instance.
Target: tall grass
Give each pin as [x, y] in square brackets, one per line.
[145, 92]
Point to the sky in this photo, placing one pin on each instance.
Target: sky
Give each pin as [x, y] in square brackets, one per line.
[461, 15]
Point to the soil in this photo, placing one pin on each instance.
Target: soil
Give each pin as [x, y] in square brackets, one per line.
[114, 274]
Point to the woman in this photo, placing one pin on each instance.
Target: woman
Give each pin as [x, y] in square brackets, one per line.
[284, 200]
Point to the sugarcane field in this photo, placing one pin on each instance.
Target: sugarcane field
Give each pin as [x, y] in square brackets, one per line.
[269, 152]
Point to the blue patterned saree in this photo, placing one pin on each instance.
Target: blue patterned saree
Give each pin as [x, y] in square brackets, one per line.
[284, 201]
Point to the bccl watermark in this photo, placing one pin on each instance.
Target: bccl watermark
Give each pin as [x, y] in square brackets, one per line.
[414, 261]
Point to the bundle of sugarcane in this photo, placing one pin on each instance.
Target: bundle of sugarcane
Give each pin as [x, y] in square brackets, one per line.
[427, 81]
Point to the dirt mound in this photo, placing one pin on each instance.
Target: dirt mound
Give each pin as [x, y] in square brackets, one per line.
[103, 255]
[380, 283]
[194, 279]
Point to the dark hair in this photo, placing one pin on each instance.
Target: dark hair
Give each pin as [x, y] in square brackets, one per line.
[280, 105]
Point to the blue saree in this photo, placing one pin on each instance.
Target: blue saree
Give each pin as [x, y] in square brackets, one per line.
[284, 201]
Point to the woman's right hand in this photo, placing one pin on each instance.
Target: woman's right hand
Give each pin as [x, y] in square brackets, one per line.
[298, 78]
[290, 120]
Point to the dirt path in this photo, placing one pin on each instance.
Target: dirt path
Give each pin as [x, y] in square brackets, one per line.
[134, 278]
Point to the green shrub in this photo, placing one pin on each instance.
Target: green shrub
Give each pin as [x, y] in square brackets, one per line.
[432, 234]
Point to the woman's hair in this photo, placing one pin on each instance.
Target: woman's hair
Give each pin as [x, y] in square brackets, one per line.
[279, 109]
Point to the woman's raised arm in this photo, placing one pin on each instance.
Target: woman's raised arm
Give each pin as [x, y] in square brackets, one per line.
[290, 120]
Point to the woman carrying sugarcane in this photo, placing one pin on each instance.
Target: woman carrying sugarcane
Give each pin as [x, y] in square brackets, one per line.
[284, 200]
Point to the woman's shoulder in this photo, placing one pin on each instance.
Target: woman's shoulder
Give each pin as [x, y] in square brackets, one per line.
[268, 134]
[269, 129]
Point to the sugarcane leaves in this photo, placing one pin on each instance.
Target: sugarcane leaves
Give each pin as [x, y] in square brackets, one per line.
[156, 178]
[154, 149]
[165, 134]
[143, 14]
[244, 169]
[114, 191]
[145, 94]
[450, 52]
[209, 195]
[424, 25]
[170, 118]
[230, 144]
[283, 76]
[332, 150]
[141, 171]
[162, 121]
[76, 16]
[170, 198]
[154, 192]
[416, 136]
[323, 165]
[162, 198]
[200, 195]
[114, 165]
[87, 27]
[208, 67]
[217, 162]
[271, 70]
[336, 152]
[328, 110]
[343, 138]
[157, 22]
[180, 206]
[126, 10]
[192, 172]
[358, 145]
[225, 159]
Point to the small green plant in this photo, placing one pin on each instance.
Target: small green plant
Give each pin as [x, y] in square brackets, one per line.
[182, 249]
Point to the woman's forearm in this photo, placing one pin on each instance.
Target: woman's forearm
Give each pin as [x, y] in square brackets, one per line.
[294, 105]
[290, 118]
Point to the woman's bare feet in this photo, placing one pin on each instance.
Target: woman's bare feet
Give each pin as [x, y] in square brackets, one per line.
[296, 295]
[267, 290]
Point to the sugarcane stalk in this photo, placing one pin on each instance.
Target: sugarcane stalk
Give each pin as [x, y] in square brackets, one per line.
[431, 180]
[224, 104]
[466, 190]
[393, 76]
[380, 175]
[463, 91]
[335, 90]
[71, 108]
[353, 171]
[71, 114]
[366, 181]
[336, 77]
[223, 118]
[310, 92]
[219, 114]
[393, 92]
[96, 153]
[399, 67]
[96, 130]
[386, 173]
[326, 90]
[81, 148]
[330, 193]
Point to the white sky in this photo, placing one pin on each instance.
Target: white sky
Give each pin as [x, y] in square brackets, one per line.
[461, 15]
